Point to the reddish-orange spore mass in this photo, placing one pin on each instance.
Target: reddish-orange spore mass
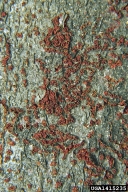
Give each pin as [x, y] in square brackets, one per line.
[71, 94]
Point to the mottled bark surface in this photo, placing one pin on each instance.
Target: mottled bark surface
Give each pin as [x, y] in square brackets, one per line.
[64, 86]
